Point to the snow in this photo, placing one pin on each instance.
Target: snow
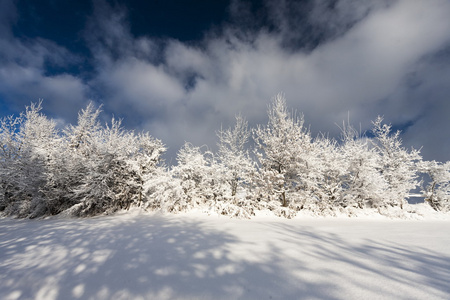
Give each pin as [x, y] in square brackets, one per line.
[194, 255]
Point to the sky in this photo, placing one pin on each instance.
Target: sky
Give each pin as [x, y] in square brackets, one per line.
[181, 70]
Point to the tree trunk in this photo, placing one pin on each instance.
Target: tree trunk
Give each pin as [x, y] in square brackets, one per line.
[283, 199]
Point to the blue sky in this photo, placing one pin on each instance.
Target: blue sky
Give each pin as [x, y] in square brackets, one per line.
[182, 69]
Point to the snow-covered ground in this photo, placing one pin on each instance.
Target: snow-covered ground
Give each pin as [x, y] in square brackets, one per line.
[196, 256]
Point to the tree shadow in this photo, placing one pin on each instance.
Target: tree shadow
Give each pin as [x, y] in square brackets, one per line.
[167, 257]
[383, 268]
[149, 257]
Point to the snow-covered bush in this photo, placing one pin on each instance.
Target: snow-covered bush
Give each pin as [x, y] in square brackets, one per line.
[164, 192]
[94, 168]
[243, 208]
[197, 172]
[118, 165]
[437, 192]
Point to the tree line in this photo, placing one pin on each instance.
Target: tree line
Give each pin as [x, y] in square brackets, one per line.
[89, 168]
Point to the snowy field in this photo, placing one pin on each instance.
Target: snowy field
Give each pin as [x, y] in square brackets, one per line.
[196, 256]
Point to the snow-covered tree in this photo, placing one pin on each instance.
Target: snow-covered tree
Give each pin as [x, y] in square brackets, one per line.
[197, 172]
[364, 183]
[9, 155]
[396, 164]
[238, 168]
[325, 177]
[437, 191]
[146, 163]
[89, 169]
[73, 160]
[117, 166]
[279, 148]
[164, 192]
[28, 143]
[82, 137]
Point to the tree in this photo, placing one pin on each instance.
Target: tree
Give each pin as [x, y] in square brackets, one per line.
[279, 148]
[9, 155]
[73, 160]
[238, 168]
[324, 178]
[396, 164]
[364, 183]
[89, 169]
[27, 142]
[146, 164]
[118, 164]
[164, 191]
[85, 170]
[197, 172]
[437, 191]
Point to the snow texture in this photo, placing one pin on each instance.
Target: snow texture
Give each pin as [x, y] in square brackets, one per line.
[199, 256]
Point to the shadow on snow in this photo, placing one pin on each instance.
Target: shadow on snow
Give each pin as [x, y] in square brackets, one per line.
[158, 257]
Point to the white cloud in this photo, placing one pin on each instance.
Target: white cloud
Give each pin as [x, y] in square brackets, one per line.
[142, 84]
[63, 95]
[362, 70]
[366, 58]
[23, 66]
